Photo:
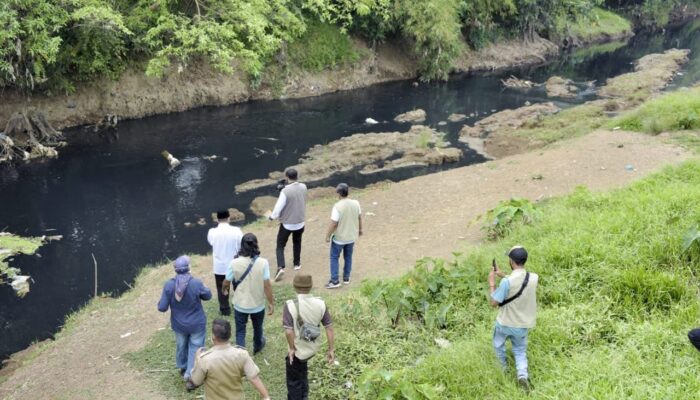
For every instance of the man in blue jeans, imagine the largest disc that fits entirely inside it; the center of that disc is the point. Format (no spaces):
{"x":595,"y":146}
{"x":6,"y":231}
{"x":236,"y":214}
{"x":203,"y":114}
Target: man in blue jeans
{"x":344,"y":229}
{"x":183,"y":295}
{"x":517,"y":311}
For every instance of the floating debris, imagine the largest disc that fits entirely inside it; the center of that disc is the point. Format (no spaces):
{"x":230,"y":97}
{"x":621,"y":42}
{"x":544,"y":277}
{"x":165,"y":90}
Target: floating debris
{"x":371,"y":121}
{"x":515,"y":83}
{"x":174,"y":162}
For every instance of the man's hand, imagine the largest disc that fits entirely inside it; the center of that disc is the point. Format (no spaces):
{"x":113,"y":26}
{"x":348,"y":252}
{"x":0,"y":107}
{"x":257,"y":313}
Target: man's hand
{"x":328,"y":239}
{"x":290,"y":354}
{"x":198,"y":352}
{"x":492,"y":278}
{"x":270,"y":308}
{"x":330,"y":356}
{"x":360,"y":233}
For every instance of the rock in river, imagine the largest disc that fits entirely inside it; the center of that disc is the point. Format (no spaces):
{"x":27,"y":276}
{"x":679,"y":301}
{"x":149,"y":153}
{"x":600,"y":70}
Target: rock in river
{"x":415,"y":117}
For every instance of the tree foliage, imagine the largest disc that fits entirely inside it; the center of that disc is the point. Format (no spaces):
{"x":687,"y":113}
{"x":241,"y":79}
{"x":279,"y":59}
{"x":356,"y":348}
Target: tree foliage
{"x":50,"y":45}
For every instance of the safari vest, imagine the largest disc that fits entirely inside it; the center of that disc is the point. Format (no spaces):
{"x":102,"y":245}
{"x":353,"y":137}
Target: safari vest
{"x":251,"y":292}
{"x":311,"y":310}
{"x":521,"y":312}
{"x":348,"y":224}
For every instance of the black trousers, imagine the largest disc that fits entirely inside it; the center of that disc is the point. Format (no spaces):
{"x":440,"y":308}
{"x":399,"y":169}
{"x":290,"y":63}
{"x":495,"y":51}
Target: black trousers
{"x":282,"y":238}
{"x":224,"y":305}
{"x":297,"y":379}
{"x":694,"y":337}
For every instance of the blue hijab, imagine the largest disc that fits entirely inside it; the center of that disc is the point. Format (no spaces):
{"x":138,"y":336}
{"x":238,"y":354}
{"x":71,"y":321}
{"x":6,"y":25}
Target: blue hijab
{"x":182,"y":269}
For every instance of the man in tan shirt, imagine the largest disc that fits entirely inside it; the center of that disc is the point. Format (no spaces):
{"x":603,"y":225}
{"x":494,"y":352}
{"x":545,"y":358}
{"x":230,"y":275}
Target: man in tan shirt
{"x":221,"y":368}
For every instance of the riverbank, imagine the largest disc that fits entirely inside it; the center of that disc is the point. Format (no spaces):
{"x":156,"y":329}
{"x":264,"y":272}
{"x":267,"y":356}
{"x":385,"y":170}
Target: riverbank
{"x":134,"y":95}
{"x":89,"y":357}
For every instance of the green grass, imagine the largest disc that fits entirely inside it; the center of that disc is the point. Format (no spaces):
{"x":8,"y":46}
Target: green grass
{"x":599,"y":25}
{"x":322,"y":47}
{"x":569,"y":123}
{"x":157,"y":359}
{"x":617,"y":296}
{"x":675,"y":111}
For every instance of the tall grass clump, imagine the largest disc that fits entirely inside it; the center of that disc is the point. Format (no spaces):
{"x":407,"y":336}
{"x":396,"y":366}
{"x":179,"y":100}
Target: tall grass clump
{"x":618,"y":293}
{"x":675,"y":111}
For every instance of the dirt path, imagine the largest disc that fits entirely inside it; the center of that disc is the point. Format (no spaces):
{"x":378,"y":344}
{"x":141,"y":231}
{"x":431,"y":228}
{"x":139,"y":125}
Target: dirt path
{"x":423,"y":216}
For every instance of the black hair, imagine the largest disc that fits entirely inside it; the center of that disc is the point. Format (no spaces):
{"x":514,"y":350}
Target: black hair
{"x":249,"y":246}
{"x":223,"y":214}
{"x":342,"y":189}
{"x":291,"y":173}
{"x":221,"y":329}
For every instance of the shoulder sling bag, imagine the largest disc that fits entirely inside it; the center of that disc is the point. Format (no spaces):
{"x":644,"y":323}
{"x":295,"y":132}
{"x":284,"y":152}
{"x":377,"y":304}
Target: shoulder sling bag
{"x":515,"y":296}
{"x":307,"y":332}
{"x":247,"y":271}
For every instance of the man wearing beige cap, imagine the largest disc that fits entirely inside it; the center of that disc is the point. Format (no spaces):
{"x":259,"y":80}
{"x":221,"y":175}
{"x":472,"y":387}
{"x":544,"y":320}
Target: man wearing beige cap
{"x":302,"y":319}
{"x":517,"y":310}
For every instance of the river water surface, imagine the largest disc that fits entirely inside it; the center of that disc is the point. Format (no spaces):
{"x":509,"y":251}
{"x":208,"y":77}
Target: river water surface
{"x":111,"y":195}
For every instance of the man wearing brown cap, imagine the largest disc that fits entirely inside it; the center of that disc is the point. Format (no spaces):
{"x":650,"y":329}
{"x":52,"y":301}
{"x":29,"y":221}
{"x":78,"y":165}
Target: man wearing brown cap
{"x":517,"y":310}
{"x":302,"y":319}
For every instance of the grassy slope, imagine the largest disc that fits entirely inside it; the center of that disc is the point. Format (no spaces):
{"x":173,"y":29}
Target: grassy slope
{"x":599,"y":25}
{"x":617,"y":297}
{"x":675,"y":111}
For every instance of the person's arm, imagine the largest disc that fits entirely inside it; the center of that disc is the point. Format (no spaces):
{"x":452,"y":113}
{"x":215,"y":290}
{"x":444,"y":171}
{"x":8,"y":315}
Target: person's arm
{"x":331,"y":343}
{"x":331,"y":228}
{"x":359,"y":220}
{"x":164,"y":302}
{"x":270,"y":298}
{"x":204,"y":293}
{"x":226,"y":283}
{"x":260,"y":387}
{"x":210,"y":237}
{"x":335,"y":217}
{"x":291,"y":348}
{"x":279,"y":206}
{"x":497,"y":295}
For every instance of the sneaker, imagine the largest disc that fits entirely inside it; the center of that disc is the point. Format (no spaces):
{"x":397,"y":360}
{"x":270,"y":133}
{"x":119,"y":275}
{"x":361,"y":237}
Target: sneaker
{"x":346,"y":282}
{"x":190,"y":386}
{"x":278,"y":275}
{"x":262,"y":346}
{"x":297,"y":267}
{"x":524,"y":384}
{"x":332,"y":285}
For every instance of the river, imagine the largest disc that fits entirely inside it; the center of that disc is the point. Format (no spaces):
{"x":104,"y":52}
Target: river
{"x":111,"y":195}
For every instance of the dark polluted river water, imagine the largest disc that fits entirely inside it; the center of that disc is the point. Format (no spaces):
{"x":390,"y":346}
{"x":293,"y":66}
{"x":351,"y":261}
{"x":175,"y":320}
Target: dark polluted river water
{"x":112,"y":196}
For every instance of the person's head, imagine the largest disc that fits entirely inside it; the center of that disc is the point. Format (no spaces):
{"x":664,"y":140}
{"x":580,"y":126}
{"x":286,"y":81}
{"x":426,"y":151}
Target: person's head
{"x":182,"y":265}
{"x":517,"y":256}
{"x":223,"y":215}
{"x":220,"y":331}
{"x":291,"y":174}
{"x":249,"y":246}
{"x":303,"y":283}
{"x":342,"y":189}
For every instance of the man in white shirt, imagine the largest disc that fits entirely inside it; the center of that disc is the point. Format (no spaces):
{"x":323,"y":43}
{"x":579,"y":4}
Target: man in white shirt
{"x":344,"y":229}
{"x":291,"y":211}
{"x":225,"y":241}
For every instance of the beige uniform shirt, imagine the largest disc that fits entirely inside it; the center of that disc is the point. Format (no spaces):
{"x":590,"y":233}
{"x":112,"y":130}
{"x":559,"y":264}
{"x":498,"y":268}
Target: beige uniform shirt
{"x":221,"y":369}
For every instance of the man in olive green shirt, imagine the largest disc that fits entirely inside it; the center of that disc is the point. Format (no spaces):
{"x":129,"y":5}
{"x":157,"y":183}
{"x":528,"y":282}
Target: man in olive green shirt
{"x":344,"y":229}
{"x":221,"y":368}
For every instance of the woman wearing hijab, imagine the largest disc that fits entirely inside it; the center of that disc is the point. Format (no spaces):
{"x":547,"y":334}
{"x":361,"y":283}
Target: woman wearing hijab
{"x":183,"y":295}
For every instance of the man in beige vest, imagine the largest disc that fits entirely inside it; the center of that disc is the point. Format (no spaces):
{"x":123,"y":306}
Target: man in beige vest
{"x":517,"y":310}
{"x":297,"y":315}
{"x":250,"y":275}
{"x":344,"y":229}
{"x":221,"y":368}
